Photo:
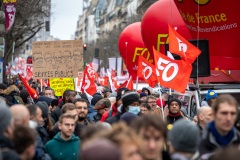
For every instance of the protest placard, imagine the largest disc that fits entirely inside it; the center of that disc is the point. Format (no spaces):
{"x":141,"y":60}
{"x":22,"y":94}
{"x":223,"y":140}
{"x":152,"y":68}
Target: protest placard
{"x":57,"y":59}
{"x":59,"y":85}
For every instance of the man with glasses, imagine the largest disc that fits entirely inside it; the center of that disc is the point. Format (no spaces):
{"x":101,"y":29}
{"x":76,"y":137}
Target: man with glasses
{"x":152,"y":102}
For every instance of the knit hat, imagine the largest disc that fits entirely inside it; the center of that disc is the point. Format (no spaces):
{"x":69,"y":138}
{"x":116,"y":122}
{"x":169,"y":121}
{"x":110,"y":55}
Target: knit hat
{"x":5,"y":118}
{"x":146,"y":89}
{"x":114,"y":94}
{"x":44,"y":107}
{"x":54,"y":102}
{"x":24,"y":95}
{"x":174,"y":100}
{"x":128,"y":117}
{"x":143,"y":94}
{"x":211,"y":94}
{"x":3,"y":86}
{"x":96,"y":98}
{"x":120,"y":92}
{"x":184,"y":136}
{"x":103,"y":103}
{"x":46,"y":99}
{"x":130,"y":97}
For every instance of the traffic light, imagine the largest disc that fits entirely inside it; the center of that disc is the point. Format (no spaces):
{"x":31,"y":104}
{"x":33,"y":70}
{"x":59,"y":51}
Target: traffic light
{"x":84,"y":46}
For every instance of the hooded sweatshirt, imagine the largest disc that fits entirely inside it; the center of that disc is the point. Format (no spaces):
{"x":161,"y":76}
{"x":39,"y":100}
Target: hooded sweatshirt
{"x":60,"y":149}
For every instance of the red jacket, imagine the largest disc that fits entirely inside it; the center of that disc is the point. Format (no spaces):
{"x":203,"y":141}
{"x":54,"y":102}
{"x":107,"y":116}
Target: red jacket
{"x":107,"y":114}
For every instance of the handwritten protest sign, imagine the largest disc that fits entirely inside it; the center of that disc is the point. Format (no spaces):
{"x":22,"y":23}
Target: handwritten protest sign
{"x":57,"y":59}
{"x":59,"y":85}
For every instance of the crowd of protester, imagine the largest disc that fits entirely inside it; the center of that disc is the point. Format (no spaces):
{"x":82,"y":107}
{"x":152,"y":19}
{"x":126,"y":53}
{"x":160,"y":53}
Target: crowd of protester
{"x":123,"y":125}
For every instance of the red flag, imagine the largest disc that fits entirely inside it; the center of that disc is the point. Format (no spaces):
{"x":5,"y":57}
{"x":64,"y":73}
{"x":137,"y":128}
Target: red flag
{"x":29,"y":89}
{"x":88,"y":83}
{"x":43,"y":83}
{"x":174,"y":74}
{"x":112,"y":81}
{"x":147,"y":71}
{"x":127,"y":84}
{"x":103,"y":81}
{"x":180,"y":46}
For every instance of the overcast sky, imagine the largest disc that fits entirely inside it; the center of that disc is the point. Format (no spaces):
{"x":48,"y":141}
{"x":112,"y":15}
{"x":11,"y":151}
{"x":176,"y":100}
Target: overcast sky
{"x":64,"y":18}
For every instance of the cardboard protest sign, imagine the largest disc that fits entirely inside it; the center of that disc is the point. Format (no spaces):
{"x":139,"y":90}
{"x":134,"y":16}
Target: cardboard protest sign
{"x":57,"y":59}
{"x":59,"y":85}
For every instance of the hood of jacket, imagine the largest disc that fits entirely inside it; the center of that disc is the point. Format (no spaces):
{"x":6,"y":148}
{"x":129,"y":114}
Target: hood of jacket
{"x":58,"y":138}
{"x":90,"y":109}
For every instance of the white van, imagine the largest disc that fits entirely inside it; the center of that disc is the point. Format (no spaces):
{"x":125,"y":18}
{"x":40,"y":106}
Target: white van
{"x":192,"y":99}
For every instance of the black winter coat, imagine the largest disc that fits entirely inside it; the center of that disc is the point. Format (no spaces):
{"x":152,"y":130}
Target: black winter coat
{"x":7,"y":149}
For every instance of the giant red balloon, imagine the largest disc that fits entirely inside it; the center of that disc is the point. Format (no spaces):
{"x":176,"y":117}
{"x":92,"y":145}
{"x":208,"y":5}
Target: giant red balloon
{"x":130,"y":46}
{"x":218,"y":21}
{"x":155,"y":24}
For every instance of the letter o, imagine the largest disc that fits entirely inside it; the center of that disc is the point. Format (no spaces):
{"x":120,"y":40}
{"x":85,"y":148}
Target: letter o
{"x":149,"y":74}
{"x":175,"y":71}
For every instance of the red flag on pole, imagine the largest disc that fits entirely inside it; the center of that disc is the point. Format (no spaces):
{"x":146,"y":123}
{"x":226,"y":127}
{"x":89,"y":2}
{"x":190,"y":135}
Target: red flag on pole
{"x":147,"y":71}
{"x":127,"y":84}
{"x":29,"y":89}
{"x":180,"y":46}
{"x":174,"y":74}
{"x":88,"y":83}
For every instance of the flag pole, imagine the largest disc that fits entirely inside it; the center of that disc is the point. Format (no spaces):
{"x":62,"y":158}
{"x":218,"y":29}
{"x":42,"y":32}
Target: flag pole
{"x":137,"y":84}
{"x":160,"y":96}
{"x":41,"y":85}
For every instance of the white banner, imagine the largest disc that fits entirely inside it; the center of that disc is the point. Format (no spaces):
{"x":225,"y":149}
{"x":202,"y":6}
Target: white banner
{"x":119,"y":66}
{"x":112,"y":63}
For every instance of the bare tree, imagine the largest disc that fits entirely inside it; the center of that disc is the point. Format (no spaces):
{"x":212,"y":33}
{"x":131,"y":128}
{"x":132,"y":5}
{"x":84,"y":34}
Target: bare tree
{"x":29,"y":20}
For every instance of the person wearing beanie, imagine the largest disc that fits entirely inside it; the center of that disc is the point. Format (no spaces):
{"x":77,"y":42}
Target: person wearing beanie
{"x":128,"y":117}
{"x":3,"y":86}
{"x":210,"y":98}
{"x":53,"y":105}
{"x":6,"y":133}
{"x":146,"y":90}
{"x":25,"y":96}
{"x":174,"y":114}
{"x":114,"y":108}
{"x":91,"y":112}
{"x":143,"y":96}
{"x":183,"y":140}
{"x":130,"y":103}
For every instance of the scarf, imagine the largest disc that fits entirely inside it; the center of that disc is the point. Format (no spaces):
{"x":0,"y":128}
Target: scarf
{"x":222,"y":140}
{"x":171,"y":118}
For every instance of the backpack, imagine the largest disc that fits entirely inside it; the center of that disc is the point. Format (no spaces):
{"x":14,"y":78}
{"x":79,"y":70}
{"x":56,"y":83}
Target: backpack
{"x":17,"y":100}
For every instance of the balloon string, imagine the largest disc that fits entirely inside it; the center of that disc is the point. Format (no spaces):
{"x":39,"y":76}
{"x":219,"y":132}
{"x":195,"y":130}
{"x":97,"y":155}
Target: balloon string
{"x":198,"y":38}
{"x":171,"y":12}
{"x":126,"y":44}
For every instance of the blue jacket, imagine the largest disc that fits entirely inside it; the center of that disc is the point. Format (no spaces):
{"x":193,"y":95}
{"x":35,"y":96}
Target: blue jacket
{"x":60,"y":149}
{"x":91,"y":113}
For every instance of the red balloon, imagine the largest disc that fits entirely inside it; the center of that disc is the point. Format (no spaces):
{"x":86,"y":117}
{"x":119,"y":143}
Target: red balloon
{"x":130,"y":46}
{"x":155,"y":24}
{"x":218,"y":21}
